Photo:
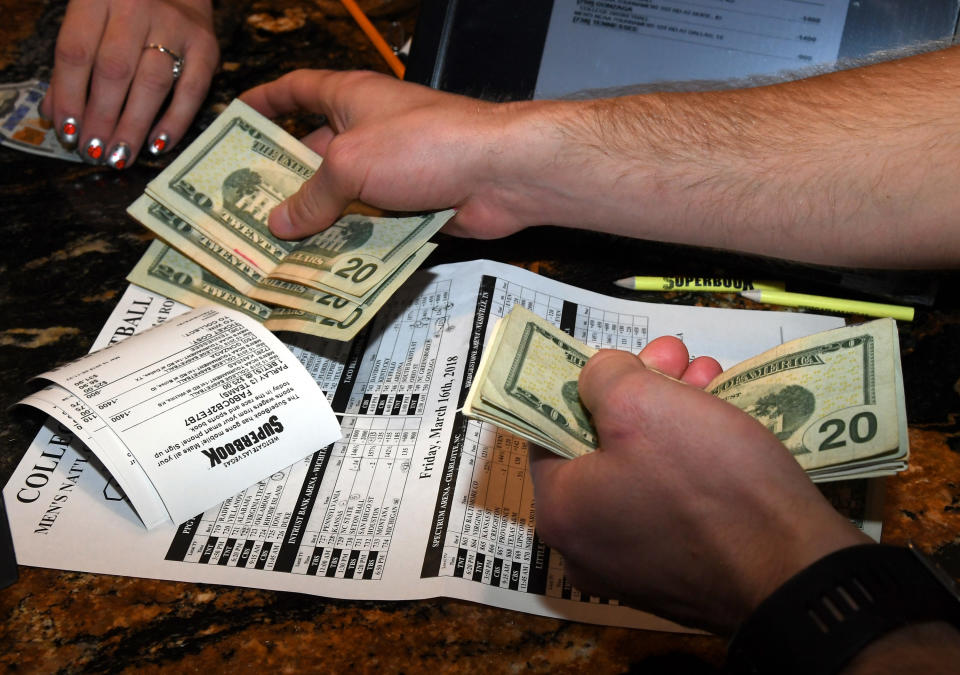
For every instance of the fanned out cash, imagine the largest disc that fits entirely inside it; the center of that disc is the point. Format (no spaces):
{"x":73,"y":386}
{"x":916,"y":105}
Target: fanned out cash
{"x":211,"y":205}
{"x":835,"y":399}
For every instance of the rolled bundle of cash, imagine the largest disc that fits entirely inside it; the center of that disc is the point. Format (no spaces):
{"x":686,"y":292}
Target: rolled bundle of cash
{"x":835,"y":399}
{"x":210,"y":209}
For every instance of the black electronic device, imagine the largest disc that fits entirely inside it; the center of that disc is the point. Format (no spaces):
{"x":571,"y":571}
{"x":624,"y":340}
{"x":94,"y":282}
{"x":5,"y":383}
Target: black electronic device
{"x":499,"y":49}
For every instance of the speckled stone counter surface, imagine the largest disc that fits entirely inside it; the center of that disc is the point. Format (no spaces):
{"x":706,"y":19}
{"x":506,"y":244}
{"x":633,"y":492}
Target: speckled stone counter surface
{"x":66,"y":247}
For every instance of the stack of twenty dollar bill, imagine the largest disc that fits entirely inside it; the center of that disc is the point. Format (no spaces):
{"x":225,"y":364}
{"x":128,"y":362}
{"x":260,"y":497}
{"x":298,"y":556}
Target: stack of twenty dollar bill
{"x":835,"y":399}
{"x":209,"y":209}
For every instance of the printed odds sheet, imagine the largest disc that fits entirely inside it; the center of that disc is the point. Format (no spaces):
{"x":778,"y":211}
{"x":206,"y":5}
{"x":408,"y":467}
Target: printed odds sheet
{"x":415,"y":500}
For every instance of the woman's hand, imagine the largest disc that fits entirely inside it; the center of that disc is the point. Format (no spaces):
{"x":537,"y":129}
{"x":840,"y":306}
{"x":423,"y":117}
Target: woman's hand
{"x":109,"y":84}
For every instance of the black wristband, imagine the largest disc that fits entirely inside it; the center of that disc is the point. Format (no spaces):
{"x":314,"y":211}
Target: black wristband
{"x":818,"y":620}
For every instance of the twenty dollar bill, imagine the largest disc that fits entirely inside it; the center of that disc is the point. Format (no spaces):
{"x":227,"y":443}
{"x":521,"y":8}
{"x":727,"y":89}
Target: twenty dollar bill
{"x":835,"y":399}
{"x":210,"y":208}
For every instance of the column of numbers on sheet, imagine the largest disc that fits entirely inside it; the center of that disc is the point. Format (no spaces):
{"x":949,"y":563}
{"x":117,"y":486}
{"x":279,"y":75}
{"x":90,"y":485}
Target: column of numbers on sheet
{"x":246,"y":529}
{"x":397,"y":368}
{"x":490,"y":533}
{"x":351,"y":526}
{"x":611,"y":330}
{"x":507,"y":294}
{"x":599,"y":328}
{"x":354,"y":509}
{"x":350,"y":529}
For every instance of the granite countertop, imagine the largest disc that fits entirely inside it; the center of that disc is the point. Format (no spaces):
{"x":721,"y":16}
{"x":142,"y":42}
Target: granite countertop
{"x":68,"y":245}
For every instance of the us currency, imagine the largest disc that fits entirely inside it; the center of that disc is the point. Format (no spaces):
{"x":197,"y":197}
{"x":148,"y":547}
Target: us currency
{"x":526,"y":382}
{"x":835,"y":399}
{"x":355,"y":254}
{"x":21,"y":125}
{"x":243,"y":277}
{"x":284,"y":318}
{"x":192,"y":242}
{"x":165,"y":270}
{"x":226,"y":183}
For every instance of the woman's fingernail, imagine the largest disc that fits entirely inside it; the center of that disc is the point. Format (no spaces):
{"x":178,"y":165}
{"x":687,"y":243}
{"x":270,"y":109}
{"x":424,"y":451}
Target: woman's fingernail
{"x":68,"y":131}
{"x":119,"y":156}
{"x":94,"y":151}
{"x":159,"y":144}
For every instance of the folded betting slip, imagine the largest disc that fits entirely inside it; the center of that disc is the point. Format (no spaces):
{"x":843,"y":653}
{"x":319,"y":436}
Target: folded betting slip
{"x":191,"y":412}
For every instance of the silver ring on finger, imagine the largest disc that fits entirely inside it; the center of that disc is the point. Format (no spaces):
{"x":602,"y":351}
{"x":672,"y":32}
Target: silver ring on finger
{"x":177,"y":60}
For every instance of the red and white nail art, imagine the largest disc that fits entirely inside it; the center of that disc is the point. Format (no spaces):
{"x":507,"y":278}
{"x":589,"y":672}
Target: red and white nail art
{"x":94,"y":151}
{"x":68,"y":131}
{"x":159,"y":144}
{"x":119,"y":156}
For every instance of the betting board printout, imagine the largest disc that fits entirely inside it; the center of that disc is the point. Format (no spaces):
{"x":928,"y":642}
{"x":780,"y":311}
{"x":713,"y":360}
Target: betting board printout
{"x":414,"y":500}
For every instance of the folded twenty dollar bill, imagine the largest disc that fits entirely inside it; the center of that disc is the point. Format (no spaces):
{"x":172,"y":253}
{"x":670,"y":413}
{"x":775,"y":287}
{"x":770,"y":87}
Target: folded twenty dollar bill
{"x":211,"y":205}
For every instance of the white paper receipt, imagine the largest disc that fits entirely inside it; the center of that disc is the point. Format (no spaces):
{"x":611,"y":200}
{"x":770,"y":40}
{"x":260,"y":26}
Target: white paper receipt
{"x":207,"y":404}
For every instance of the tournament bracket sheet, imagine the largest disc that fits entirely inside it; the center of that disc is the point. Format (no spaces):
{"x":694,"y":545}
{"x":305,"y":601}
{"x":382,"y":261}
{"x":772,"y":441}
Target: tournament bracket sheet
{"x":415,"y":500}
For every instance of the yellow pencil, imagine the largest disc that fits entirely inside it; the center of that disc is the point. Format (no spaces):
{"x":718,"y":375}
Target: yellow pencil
{"x":786,"y":299}
{"x":396,"y":65}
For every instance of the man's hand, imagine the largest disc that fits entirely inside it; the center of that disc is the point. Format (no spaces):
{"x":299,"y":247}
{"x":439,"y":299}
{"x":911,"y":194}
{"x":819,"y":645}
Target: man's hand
{"x":793,"y":169}
{"x":403,"y":147}
{"x":690,"y":508}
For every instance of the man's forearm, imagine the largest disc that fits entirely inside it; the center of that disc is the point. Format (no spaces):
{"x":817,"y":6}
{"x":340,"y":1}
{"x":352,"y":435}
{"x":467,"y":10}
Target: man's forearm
{"x":859,"y":167}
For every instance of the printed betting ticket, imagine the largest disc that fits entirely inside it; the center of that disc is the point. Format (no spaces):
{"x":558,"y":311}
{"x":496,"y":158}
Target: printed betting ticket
{"x":192,"y":411}
{"x":414,"y":500}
